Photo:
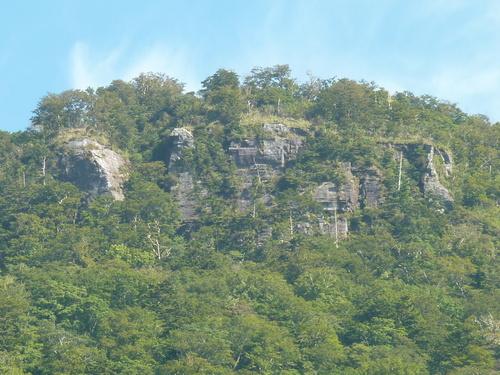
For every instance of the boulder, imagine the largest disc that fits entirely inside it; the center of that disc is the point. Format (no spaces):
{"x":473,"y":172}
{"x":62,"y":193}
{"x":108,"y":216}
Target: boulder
{"x":93,"y":167}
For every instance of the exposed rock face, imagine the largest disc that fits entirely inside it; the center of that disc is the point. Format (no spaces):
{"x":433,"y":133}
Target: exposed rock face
{"x":179,"y":141}
{"x":338,"y":199}
{"x":94,"y":168}
{"x":278,"y":145}
{"x":325,"y":226}
{"x":339,"y":230}
{"x":447,"y":161}
{"x":245,"y":153}
{"x":371,"y":188}
{"x":327,"y":195}
{"x":263,"y":158}
{"x":342,"y":198}
{"x":431,"y":185}
{"x":184,"y":193}
{"x":364,"y":188}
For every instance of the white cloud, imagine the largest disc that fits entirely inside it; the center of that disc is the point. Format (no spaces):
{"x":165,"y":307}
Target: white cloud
{"x":160,"y":59}
{"x":88,"y":70}
{"x":460,"y":82}
{"x":474,"y":88}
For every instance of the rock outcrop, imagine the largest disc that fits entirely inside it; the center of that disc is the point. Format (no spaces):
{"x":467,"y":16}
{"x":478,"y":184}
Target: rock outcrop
{"x":179,"y":140}
{"x":341,"y":197}
{"x":371,"y":188}
{"x":178,"y":143}
{"x":338,"y":199}
{"x":431,"y":185}
{"x":338,"y":229}
{"x":278,"y":145}
{"x":93,"y":167}
{"x":263,"y":158}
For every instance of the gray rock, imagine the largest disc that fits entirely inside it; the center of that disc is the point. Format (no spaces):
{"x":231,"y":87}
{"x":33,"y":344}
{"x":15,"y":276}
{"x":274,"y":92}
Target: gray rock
{"x":327,"y":195}
{"x":179,"y":140}
{"x":328,"y":227}
{"x":344,"y":197}
{"x":371,"y":188}
{"x":431,"y":185}
{"x":276,"y":147}
{"x":447,"y":161}
{"x":279,"y":145}
{"x":184,"y":194}
{"x":262,"y":159}
{"x":244,"y":154}
{"x":94,"y":168}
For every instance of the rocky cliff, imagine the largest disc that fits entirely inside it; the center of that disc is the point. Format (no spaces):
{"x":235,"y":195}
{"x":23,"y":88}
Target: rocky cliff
{"x":260,"y":161}
{"x":93,"y":167}
{"x":430,"y":180}
{"x":431,"y":185}
{"x":264,"y":158}
{"x":180,"y":142}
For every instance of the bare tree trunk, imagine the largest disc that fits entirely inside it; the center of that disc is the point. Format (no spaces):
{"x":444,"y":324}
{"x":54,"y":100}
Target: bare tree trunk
{"x":44,"y":168}
{"x":154,"y":239}
{"x":291,"y":223}
{"x":24,"y":179}
{"x":336,"y":229}
{"x":400,"y":169}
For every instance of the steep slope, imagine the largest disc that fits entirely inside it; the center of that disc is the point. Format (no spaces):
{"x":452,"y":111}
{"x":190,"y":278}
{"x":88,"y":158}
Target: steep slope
{"x":266,"y":227}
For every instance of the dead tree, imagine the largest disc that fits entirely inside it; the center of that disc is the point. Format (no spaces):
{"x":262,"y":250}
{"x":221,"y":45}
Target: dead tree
{"x":400,"y":169}
{"x":154,"y":237}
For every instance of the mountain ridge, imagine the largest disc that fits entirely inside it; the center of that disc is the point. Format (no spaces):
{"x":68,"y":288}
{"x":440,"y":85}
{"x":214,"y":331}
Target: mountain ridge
{"x":259,"y":226}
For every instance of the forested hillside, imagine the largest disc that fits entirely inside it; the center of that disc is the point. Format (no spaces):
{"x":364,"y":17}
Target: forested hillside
{"x":261,"y":225}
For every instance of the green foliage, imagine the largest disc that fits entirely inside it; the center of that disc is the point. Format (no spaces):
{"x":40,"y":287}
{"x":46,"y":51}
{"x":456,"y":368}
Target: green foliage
{"x":126,"y":287}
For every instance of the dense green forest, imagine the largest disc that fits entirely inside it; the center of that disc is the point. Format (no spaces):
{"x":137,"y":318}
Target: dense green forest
{"x":260,"y":225}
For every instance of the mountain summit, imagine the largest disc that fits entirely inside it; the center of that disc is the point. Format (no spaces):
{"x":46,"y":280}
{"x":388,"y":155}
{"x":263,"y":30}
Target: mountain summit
{"x":260,"y":225}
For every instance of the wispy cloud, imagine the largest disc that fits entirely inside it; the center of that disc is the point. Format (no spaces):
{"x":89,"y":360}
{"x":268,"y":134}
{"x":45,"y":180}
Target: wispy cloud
{"x":461,"y":82}
{"x":475,"y":88}
{"x":89,"y":70}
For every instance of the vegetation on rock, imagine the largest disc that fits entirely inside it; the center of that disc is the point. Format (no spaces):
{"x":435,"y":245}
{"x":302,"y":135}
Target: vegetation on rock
{"x":266,"y":226}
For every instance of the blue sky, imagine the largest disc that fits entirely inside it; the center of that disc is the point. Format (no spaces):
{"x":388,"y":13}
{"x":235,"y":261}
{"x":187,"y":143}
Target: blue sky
{"x":445,"y":48}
